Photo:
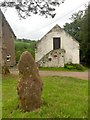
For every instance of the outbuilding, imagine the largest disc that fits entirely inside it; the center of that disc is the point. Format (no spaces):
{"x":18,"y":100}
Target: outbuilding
{"x":57,"y":48}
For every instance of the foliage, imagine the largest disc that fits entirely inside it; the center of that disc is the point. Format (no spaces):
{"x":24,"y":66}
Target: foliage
{"x":63,"y":97}
{"x":84,"y":34}
{"x":21,"y":46}
{"x":26,"y":7}
{"x":75,"y":67}
{"x":78,"y":28}
{"x":74,"y":27}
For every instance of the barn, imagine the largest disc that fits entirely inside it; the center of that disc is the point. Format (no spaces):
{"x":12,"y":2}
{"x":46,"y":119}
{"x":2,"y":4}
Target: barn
{"x":7,"y":46}
{"x":57,"y":48}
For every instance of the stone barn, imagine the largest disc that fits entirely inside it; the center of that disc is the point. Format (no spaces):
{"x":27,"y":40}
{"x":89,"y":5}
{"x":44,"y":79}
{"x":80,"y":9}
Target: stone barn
{"x":7,"y":37}
{"x":56,"y":48}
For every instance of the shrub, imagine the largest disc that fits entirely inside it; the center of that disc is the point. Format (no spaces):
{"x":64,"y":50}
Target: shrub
{"x":74,"y":66}
{"x":79,"y":67}
{"x":69,"y":67}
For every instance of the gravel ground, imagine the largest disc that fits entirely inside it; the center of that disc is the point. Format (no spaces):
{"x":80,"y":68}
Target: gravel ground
{"x":81,"y":75}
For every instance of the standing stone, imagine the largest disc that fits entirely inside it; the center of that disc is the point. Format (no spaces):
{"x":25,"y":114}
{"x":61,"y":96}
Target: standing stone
{"x":30,"y":84}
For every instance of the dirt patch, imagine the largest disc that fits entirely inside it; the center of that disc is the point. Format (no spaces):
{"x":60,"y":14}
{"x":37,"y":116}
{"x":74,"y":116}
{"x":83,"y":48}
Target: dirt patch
{"x":81,"y":75}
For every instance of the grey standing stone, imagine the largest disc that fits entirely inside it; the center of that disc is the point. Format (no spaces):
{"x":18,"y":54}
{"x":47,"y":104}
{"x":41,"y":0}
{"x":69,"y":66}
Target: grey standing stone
{"x":30,"y":84}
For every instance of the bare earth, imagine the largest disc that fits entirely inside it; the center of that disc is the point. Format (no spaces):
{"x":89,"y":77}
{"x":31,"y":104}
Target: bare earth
{"x":81,"y":75}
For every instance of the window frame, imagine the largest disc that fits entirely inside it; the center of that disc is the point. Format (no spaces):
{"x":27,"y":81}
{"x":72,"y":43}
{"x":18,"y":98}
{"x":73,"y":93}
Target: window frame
{"x":56,"y":45}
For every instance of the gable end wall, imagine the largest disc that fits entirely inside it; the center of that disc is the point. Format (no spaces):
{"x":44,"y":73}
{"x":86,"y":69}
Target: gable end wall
{"x":70,"y":45}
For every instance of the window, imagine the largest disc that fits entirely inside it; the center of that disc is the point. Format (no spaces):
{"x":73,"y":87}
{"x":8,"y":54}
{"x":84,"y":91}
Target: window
{"x":8,"y":58}
{"x":56,"y":43}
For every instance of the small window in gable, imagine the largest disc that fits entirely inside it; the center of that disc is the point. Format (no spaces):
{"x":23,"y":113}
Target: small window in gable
{"x":56,"y":43}
{"x":8,"y":58}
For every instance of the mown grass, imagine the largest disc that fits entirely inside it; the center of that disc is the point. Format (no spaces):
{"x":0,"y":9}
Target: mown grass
{"x":62,"y":97}
{"x":61,"y":69}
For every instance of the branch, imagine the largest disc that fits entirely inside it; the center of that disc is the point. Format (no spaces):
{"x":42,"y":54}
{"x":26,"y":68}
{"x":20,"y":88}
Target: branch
{"x":26,"y":7}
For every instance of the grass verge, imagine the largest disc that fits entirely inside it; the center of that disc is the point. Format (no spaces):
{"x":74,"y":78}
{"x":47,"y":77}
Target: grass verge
{"x":61,"y":69}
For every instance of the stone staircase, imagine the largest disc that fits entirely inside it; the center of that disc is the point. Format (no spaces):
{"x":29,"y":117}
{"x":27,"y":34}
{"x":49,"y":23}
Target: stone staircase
{"x":55,"y":58}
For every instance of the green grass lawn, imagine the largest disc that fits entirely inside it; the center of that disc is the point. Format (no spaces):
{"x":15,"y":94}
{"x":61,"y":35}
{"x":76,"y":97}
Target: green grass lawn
{"x":62,"y":97}
{"x":61,"y":69}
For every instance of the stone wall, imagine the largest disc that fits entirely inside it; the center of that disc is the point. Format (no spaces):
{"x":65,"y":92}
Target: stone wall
{"x":54,"y":58}
{"x":0,"y":39}
{"x":8,"y":37}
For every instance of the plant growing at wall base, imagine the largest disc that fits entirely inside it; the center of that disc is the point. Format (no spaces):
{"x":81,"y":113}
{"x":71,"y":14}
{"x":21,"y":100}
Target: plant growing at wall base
{"x":74,"y":66}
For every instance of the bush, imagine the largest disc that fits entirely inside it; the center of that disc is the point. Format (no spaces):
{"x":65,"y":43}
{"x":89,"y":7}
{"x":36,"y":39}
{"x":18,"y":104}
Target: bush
{"x":69,"y":67}
{"x":74,"y":66}
{"x":79,"y":67}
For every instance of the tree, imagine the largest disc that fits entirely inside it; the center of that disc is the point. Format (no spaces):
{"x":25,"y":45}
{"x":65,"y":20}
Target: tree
{"x":21,"y":46}
{"x":84,"y":35}
{"x":74,"y":27}
{"x":26,"y":7}
{"x":79,"y":29}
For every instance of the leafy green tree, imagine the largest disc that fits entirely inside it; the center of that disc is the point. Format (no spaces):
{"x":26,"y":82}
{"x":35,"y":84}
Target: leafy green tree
{"x":78,"y":28}
{"x":74,"y":27}
{"x":84,"y":34}
{"x":21,"y":46}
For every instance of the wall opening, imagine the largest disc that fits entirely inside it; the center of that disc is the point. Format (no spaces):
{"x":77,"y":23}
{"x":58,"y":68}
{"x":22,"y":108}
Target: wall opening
{"x":50,"y":59}
{"x":8,"y":58}
{"x":56,"y":43}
